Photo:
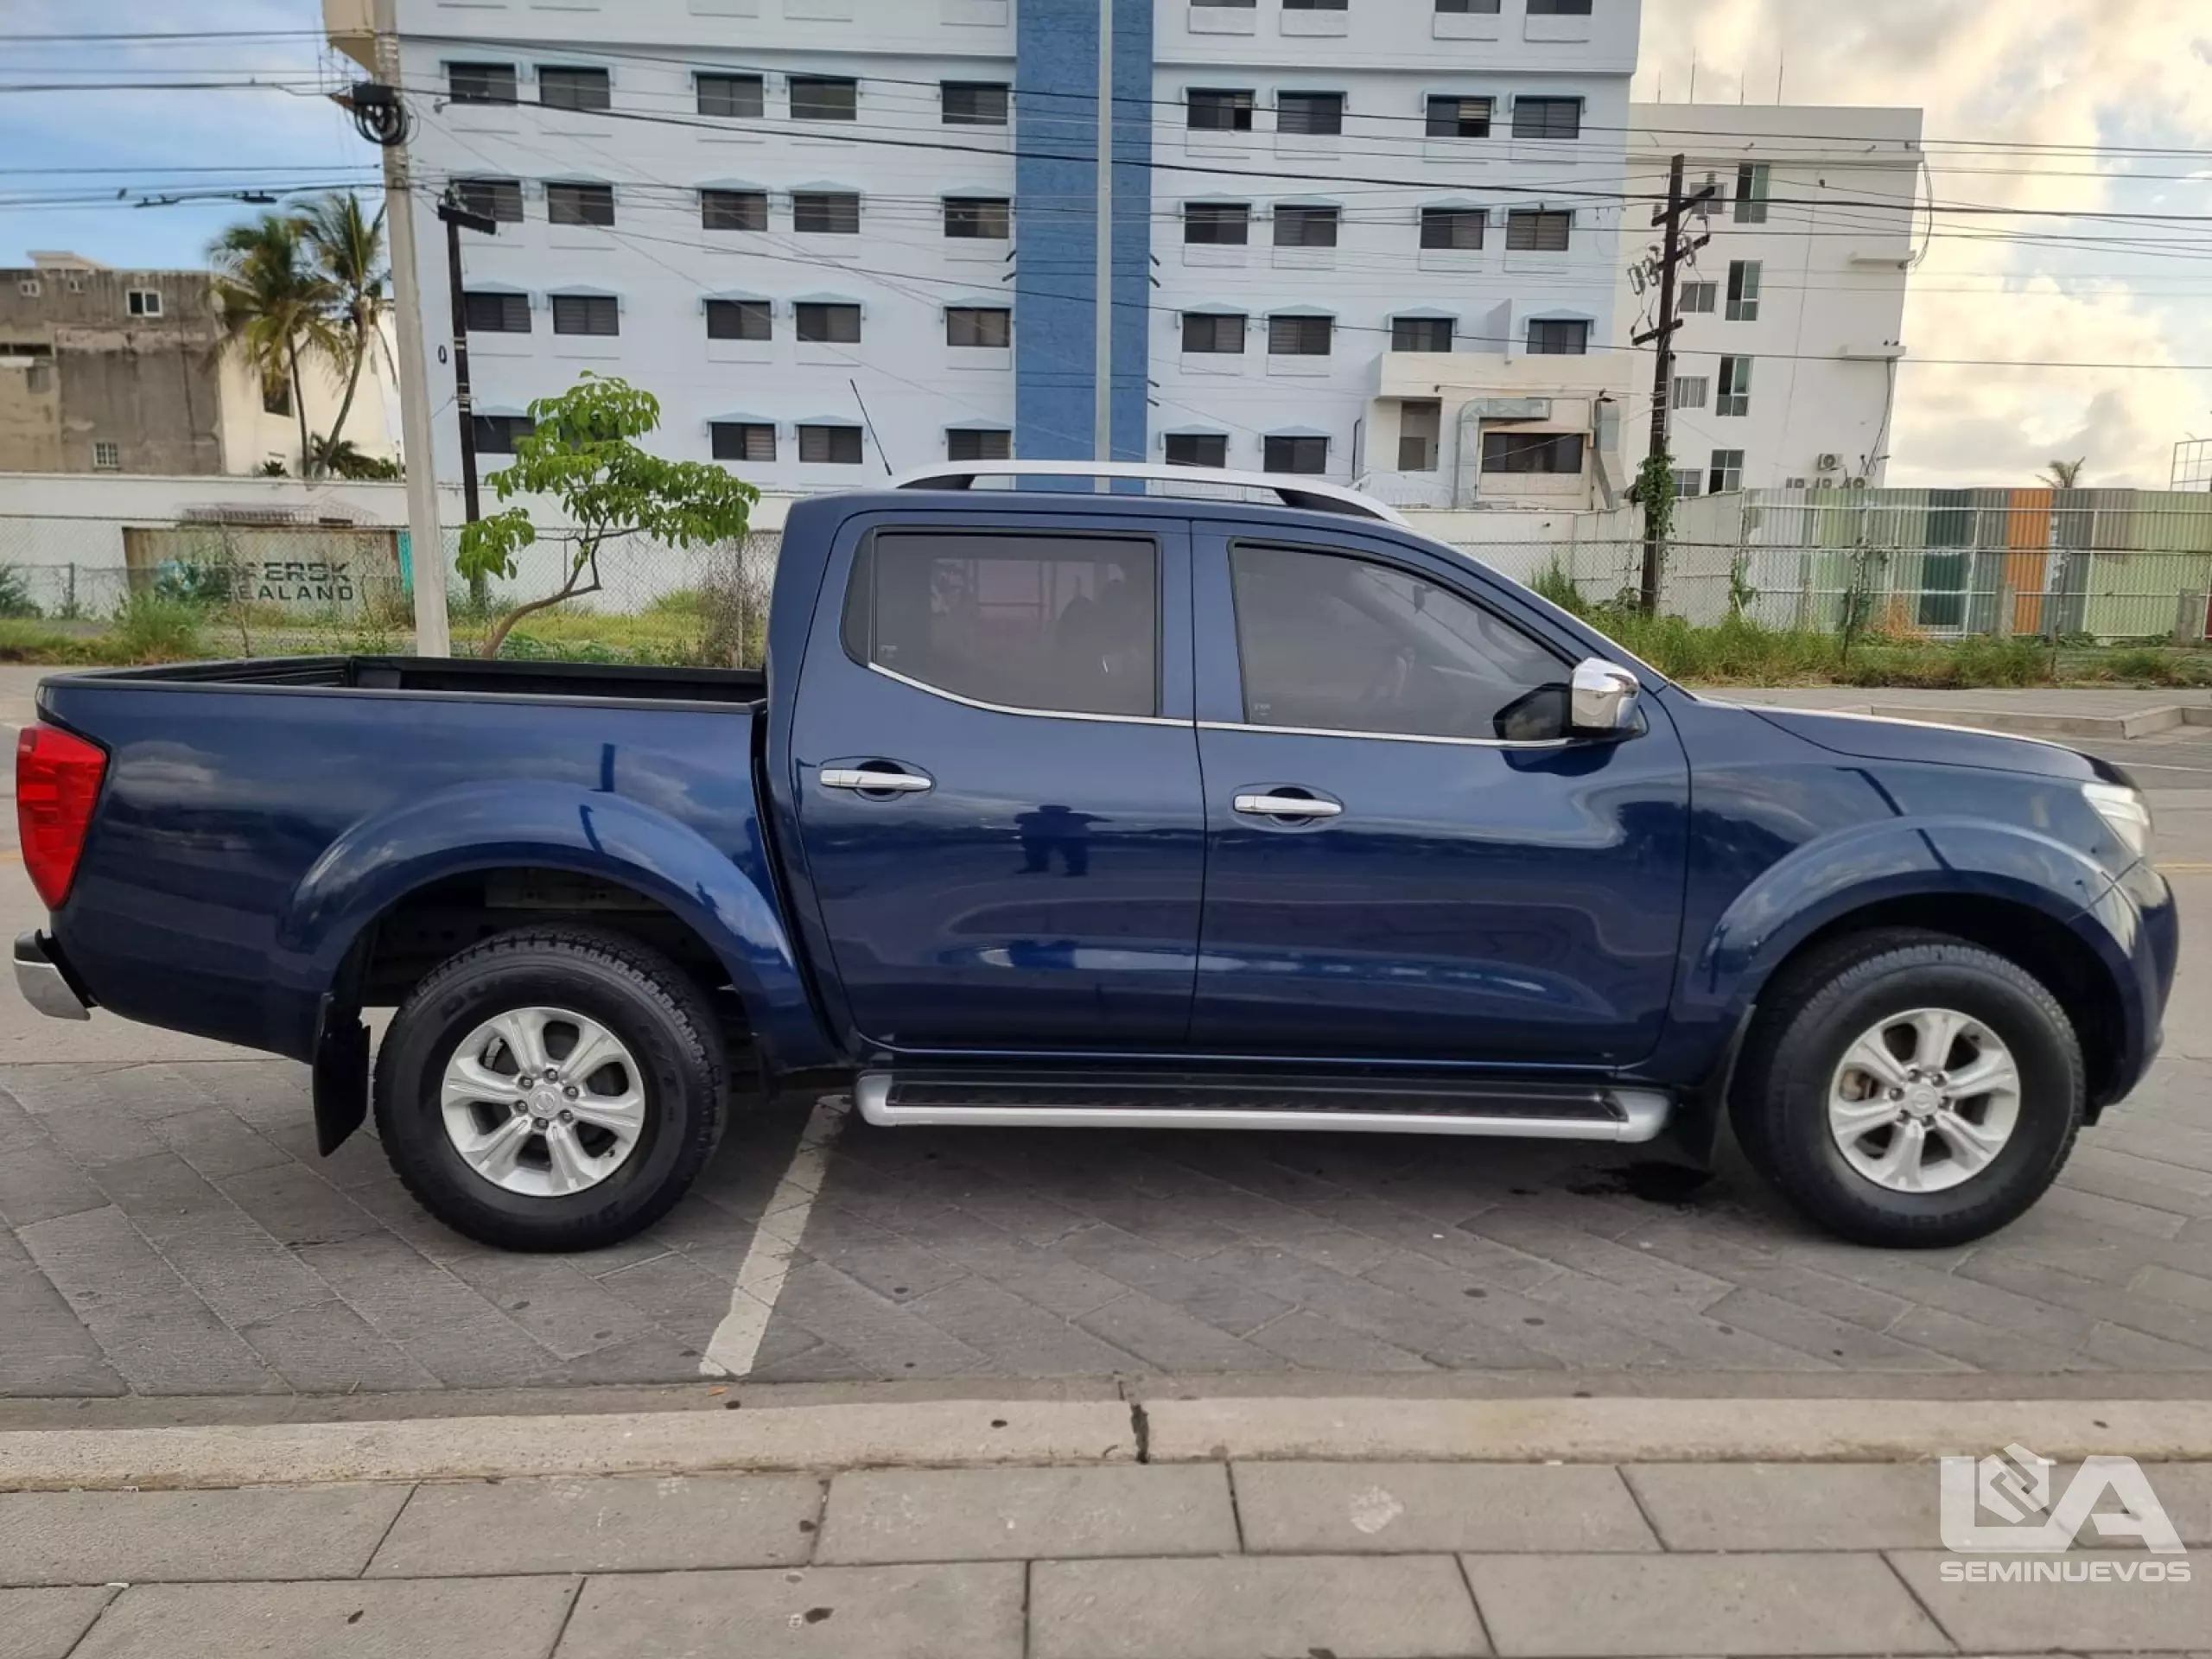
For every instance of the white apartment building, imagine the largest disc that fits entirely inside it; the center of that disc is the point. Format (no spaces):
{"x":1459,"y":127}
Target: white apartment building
{"x":1364,"y":238}
{"x":1793,"y":315}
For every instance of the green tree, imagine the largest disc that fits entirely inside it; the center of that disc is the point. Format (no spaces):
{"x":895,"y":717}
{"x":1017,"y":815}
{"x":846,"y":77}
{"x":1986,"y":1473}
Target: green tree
{"x":275,"y":306}
{"x":2063,"y":474}
{"x":580,"y":453}
{"x":348,"y":244}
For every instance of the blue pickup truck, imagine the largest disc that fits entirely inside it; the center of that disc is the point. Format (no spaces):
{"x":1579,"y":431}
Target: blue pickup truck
{"x":1117,"y":809}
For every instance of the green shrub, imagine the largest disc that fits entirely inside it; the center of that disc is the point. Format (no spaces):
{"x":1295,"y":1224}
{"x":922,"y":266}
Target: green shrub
{"x":1553,"y":583}
{"x":15,"y":599}
{"x":152,"y":627}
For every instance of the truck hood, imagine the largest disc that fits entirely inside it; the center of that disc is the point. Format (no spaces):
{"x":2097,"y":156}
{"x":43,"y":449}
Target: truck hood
{"x":1866,"y":737}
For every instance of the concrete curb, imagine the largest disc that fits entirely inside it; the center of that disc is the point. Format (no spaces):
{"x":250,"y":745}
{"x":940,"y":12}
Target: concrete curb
{"x":946,"y":1433}
{"x":2144,"y":722}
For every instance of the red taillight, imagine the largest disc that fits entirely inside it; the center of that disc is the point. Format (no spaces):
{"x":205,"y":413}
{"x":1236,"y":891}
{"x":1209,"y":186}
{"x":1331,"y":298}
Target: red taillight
{"x":57,"y":780}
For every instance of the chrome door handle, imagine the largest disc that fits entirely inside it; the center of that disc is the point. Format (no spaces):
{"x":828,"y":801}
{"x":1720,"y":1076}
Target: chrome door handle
{"x":891,"y":783}
{"x":1287,"y":806}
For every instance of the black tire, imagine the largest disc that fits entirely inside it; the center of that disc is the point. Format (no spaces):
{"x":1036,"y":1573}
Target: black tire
{"x":1779,"y":1103}
{"x":657,"y":1010}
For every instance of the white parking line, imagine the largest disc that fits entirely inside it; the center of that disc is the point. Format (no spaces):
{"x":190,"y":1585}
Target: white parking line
{"x":736,"y":1342}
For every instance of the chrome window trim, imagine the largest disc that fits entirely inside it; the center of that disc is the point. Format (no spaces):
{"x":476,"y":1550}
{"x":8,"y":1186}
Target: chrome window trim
{"x":1391,"y":737}
{"x":1033,"y":713}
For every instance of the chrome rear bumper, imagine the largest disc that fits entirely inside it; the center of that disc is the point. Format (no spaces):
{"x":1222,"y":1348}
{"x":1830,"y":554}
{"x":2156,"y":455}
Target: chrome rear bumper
{"x":41,"y":982}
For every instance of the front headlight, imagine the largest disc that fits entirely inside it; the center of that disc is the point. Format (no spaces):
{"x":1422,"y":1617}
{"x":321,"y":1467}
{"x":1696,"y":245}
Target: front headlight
{"x":2125,"y":813}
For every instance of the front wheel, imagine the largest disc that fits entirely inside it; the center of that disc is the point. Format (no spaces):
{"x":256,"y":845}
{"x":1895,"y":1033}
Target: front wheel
{"x":551,"y":1090}
{"x":1910,"y":1090}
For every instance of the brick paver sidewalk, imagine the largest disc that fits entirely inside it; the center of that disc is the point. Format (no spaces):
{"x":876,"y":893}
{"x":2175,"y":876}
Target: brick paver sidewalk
{"x":1185,"y":1562}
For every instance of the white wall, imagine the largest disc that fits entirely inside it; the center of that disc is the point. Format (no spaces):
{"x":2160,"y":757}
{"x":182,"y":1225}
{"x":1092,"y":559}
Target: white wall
{"x":1833,"y":255}
{"x":251,"y":435}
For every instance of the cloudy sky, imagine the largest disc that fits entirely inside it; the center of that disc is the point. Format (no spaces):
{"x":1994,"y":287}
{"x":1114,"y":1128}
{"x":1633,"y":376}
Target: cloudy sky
{"x":2065,"y":107}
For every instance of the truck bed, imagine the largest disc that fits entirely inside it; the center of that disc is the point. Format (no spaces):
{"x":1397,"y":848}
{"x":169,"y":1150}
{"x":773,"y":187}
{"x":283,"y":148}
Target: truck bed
{"x":451,"y":676}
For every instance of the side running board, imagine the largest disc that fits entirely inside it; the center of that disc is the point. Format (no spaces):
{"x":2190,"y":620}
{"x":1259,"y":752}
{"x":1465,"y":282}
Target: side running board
{"x":1372,"y":1104}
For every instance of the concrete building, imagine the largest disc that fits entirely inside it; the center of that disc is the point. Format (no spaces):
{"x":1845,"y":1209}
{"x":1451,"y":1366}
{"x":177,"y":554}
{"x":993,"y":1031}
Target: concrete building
{"x":106,"y":371}
{"x":1371,"y":238}
{"x":1794,"y":316}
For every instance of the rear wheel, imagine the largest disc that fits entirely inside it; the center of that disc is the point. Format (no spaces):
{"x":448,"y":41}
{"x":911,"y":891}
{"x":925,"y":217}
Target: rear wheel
{"x":554,"y":1089}
{"x":1908,"y":1089}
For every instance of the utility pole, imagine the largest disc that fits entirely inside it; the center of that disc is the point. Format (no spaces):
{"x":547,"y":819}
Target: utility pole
{"x":431,"y":636}
{"x":455,"y":217}
{"x":1672,"y":252}
{"x":1102,"y":419}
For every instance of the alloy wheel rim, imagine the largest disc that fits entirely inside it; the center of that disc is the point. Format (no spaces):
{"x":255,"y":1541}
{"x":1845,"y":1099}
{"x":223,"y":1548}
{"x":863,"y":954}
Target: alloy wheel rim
{"x":544,"y":1101}
{"x":1924,"y":1101}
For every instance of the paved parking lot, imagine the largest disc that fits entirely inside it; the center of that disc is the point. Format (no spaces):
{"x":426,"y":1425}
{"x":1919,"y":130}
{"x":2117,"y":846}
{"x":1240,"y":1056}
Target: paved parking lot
{"x":170,"y":1232}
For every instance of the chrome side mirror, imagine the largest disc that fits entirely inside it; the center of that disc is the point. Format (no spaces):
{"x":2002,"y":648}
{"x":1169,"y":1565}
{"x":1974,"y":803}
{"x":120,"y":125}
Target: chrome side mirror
{"x":1603,"y":703}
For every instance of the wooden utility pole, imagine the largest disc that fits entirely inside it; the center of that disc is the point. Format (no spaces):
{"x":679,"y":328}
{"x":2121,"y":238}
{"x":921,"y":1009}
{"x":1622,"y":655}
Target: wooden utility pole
{"x":1672,"y":252}
{"x":456,"y":216}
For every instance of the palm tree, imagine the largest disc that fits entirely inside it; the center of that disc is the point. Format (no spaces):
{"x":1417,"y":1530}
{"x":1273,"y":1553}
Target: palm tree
{"x":348,"y":248}
{"x":275,"y":306}
{"x":2064,"y":475}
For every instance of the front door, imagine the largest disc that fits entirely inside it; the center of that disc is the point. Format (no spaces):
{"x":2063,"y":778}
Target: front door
{"x":997,"y":780}
{"x":1409,"y":857}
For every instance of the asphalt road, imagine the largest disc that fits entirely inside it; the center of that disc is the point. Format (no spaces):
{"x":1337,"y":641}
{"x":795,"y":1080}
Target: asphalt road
{"x":170,"y":1232}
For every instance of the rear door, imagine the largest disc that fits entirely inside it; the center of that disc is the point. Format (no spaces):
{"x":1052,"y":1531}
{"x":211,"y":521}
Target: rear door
{"x":1409,"y":857}
{"x":996,"y":771}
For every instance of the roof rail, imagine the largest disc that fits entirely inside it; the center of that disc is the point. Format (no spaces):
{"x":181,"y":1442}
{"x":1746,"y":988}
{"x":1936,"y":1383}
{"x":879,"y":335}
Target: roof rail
{"x":1313,"y":495}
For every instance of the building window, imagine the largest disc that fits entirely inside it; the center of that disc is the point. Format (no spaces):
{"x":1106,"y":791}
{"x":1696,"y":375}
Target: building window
{"x":1689,"y":481}
{"x":1226,"y":222}
{"x":818,"y":212}
{"x":1315,"y":112}
{"x":734,"y":210}
{"x":986,"y":326}
{"x":1227,"y":5}
{"x":1558,"y":8}
{"x":1294,"y":455}
{"x":1313,"y":5}
{"x":829,"y":324}
{"x":1468,"y":8}
{"x":1554,"y":453}
{"x":1459,"y":117}
{"x":1459,"y":228}
{"x":1559,"y":337}
{"x":737,"y":96}
{"x":1198,"y":449}
{"x":497,"y":313}
{"x":1690,"y":391}
{"x":986,"y":218}
{"x":107,"y":456}
{"x":1534,"y":230}
{"x":1744,"y":290}
{"x":1752,"y":180}
{"x":580,"y":204}
{"x":1421,"y":426}
{"x":1299,"y":336}
{"x":574,"y":89}
{"x":482,"y":83}
{"x":829,"y":445}
{"x":500,"y":198}
{"x":495,"y":435}
{"x":978,"y":443}
{"x":973,"y":102}
{"x":1546,"y":118}
{"x":1697,"y":298}
{"x":142,"y":302}
{"x":275,"y":395}
{"x":1305,"y":227}
{"x":587,"y":314}
{"x":740,"y":320}
{"x":1728,"y":473}
{"x":825,"y":97}
{"x":742,"y":440}
{"x":1215,"y":108}
{"x":1219,"y":332}
{"x":1422,"y":333}
{"x":1735,"y":398}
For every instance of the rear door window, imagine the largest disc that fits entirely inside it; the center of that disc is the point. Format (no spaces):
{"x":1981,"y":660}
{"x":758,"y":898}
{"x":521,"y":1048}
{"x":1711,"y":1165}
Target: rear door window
{"x":1331,"y":642}
{"x":1066,"y":625}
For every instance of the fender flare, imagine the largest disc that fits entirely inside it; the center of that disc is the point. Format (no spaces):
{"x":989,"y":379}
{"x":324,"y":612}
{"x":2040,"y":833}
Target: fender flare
{"x":727,"y":900}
